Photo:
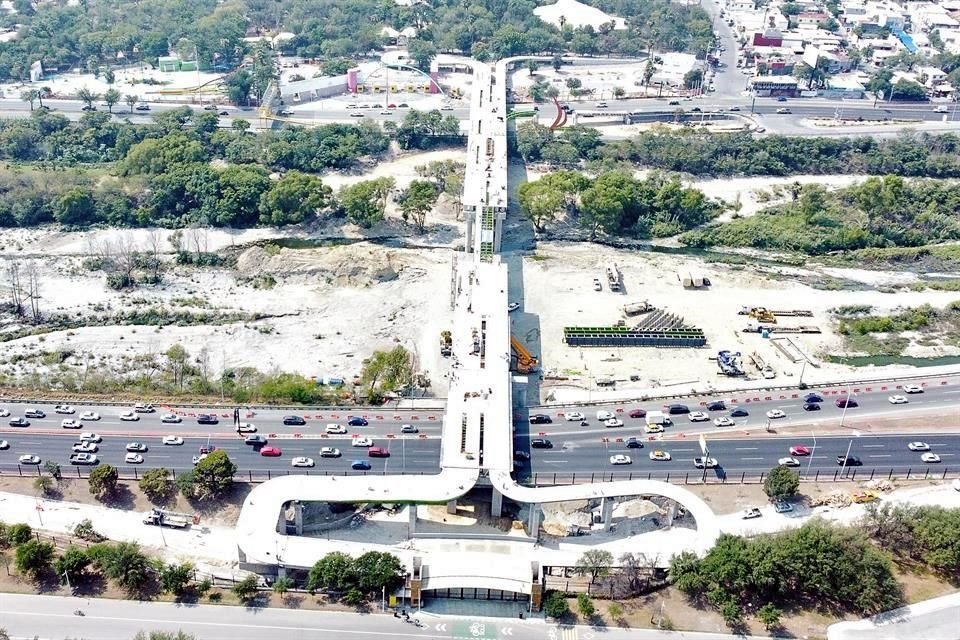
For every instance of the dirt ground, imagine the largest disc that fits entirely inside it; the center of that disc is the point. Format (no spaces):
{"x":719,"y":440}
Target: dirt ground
{"x":130,"y":497}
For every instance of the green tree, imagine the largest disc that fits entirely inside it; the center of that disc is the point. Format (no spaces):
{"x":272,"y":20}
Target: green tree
{"x":76,"y":207}
{"x":594,"y":563}
{"x":174,"y":578}
{"x":556,"y":606}
{"x":29,"y":95}
{"x":88,"y":96}
{"x":573,"y":83}
{"x":293,"y":198}
{"x":247,"y":589}
{"x":44,"y":484}
{"x":18,"y":534}
{"x":239,"y":85}
{"x":365,"y":202}
{"x":532,"y":66}
{"x":378,"y":570}
{"x":540,"y":203}
{"x":769,"y":616}
{"x":125,"y":564}
{"x":163,"y":635}
{"x":693,"y":79}
{"x":615,"y":609}
{"x":103,"y":480}
{"x":905,"y":89}
{"x":333,"y":571}
{"x":781,"y":482}
{"x":212,"y":478}
{"x":281,"y":586}
{"x":157,"y":485}
{"x":385,"y":372}
{"x":585,"y":605}
{"x":33,"y":558}
{"x":131,"y":100}
{"x":417,"y":200}
{"x":111,"y":97}
{"x":72,"y":565}
{"x":422,"y":52}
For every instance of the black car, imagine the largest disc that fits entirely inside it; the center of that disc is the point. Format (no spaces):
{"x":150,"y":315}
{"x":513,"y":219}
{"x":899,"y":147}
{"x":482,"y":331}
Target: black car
{"x":676,"y":409}
{"x":782,"y":99}
{"x":34,"y":413}
{"x":696,"y":110}
{"x":297,"y":421}
{"x":813,"y":397}
{"x":520,"y":456}
{"x":541,"y":443}
{"x":716,"y":406}
{"x":19,"y":422}
{"x":540,"y":419}
{"x":633,"y":443}
{"x":205,"y":418}
{"x":811,"y":406}
{"x":355,"y":421}
{"x":739,"y":412}
{"x":851,"y":461}
{"x":848,"y":403}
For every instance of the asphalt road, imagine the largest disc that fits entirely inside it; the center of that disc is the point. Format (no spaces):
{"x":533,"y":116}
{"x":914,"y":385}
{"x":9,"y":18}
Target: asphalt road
{"x":27,"y":617}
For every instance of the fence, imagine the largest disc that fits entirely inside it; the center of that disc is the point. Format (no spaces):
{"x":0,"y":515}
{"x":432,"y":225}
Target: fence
{"x":716,"y":476}
{"x":134,"y":474}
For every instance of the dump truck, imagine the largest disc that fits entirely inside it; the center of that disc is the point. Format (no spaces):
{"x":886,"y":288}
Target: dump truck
{"x":164,"y":518}
{"x":636,"y":308}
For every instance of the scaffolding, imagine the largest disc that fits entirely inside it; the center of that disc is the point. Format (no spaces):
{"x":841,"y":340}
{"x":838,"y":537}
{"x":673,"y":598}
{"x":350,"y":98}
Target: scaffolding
{"x":630,"y":337}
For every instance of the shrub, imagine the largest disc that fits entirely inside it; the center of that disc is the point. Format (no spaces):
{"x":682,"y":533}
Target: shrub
{"x":556,"y":605}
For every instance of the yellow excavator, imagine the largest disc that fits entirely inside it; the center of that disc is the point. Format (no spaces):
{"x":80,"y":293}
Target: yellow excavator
{"x":526,"y":363}
{"x":761,"y":314}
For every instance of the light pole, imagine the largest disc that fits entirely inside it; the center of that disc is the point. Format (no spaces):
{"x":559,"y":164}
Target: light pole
{"x":846,"y":458}
{"x":812,"y":452}
{"x":846,"y":403}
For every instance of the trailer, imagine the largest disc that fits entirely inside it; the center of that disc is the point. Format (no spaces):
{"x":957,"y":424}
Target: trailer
{"x":164,"y":518}
{"x":769,"y":329}
{"x":636,"y":308}
{"x":613,"y":277}
{"x":756,"y":312}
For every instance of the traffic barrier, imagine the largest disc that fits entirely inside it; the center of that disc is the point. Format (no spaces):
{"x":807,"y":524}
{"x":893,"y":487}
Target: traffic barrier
{"x":541,"y":433}
{"x":431,"y":418}
{"x":681,"y":435}
{"x":767,"y":398}
{"x":795,"y":395}
{"x":422,"y":436}
{"x":604,"y":440}
{"x":248,"y":414}
{"x":297,"y":435}
{"x":390,"y":435}
{"x":868,"y":389}
{"x":401,"y":417}
{"x":619,"y":440}
{"x":224,"y":415}
{"x":414,"y":417}
{"x":323,"y":435}
{"x":942,"y":382}
{"x":272,"y":435}
{"x":618,"y":410}
{"x":334,"y":416}
{"x":379,"y":417}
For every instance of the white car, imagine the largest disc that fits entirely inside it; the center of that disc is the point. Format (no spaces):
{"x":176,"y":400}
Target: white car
{"x":660,"y":456}
{"x":603,"y":416}
{"x":788,"y":462}
{"x":197,"y":459}
{"x":29,"y":458}
{"x":409,"y":428}
{"x":575,"y":416}
{"x":329,"y":452}
{"x":775,"y":414}
{"x":301,"y":462}
{"x":143,"y":408}
{"x":724,"y":421}
{"x":918,"y":446}
{"x":620,"y":459}
{"x":247,"y":427}
{"x":64,"y":409}
{"x":513,"y":306}
{"x":912,"y":388}
{"x":133,"y":458}
{"x":90,"y":437}
{"x":70,"y":423}
{"x":171,"y":418}
{"x":85,"y":447}
{"x":335,"y":429}
{"x":705,"y":463}
{"x":90,"y":415}
{"x":699,"y":416}
{"x":613,"y":422}
{"x":601,"y":105}
{"x":653,"y":428}
{"x":362,"y":442}
{"x":750,"y":513}
{"x":4,"y":444}
{"x":173,"y":441}
{"x":930,"y":457}
{"x":897,"y":400}
{"x":4,"y":413}
{"x":129,"y":416}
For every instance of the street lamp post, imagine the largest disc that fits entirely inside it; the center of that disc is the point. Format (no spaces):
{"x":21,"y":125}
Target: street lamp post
{"x":846,"y":458}
{"x":812,"y":452}
{"x":846,"y":403}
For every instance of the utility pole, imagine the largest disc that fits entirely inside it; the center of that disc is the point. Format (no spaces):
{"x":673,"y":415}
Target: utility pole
{"x":812,"y":452}
{"x":846,"y":403}
{"x":846,"y":458}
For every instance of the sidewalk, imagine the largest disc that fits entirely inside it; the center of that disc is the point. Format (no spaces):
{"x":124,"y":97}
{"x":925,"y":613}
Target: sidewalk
{"x":934,"y":619}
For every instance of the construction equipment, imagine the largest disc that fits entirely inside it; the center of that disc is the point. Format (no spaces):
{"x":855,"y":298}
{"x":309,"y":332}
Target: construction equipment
{"x":759,"y":314}
{"x":796,"y":313}
{"x":613,"y":276}
{"x":446,"y":344}
{"x":636,"y":308}
{"x":526,"y":363}
{"x":164,"y":518}
{"x":750,"y":328}
{"x":613,"y":336}
{"x":765,"y":370}
{"x":729,"y":363}
{"x":694,"y":281}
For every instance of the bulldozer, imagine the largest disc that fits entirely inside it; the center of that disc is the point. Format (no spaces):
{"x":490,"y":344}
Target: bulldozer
{"x":761,"y":314}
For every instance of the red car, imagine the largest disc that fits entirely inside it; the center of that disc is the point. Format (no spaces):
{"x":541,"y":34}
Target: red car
{"x":209,"y":449}
{"x":799,"y":450}
{"x":638,"y":413}
{"x":271,"y":452}
{"x":378,"y":452}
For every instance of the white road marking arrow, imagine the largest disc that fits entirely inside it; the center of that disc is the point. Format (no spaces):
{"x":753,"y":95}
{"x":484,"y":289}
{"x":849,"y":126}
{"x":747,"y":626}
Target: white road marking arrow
{"x":441,"y":627}
{"x":507,"y":631}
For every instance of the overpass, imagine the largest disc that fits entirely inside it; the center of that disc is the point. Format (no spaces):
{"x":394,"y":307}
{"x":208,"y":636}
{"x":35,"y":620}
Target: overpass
{"x":477,"y":431}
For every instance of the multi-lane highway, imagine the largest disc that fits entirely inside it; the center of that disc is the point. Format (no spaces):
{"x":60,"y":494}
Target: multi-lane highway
{"x":409,"y":453}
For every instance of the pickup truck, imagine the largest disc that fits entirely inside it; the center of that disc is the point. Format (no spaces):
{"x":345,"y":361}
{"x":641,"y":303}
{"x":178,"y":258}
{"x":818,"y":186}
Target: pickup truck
{"x":164,"y":518}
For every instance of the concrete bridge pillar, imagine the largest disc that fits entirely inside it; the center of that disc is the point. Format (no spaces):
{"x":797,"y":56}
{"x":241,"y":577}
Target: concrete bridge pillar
{"x":298,"y":517}
{"x":606,"y":509}
{"x":412,"y":522}
{"x":496,"y":504}
{"x":452,"y":507}
{"x":533,"y":524}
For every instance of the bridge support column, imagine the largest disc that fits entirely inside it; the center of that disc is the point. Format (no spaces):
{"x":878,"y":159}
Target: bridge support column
{"x":496,"y":504}
{"x":452,"y":507}
{"x":412,"y":523}
{"x":606,"y":509}
{"x":298,"y":517}
{"x":533,"y":524}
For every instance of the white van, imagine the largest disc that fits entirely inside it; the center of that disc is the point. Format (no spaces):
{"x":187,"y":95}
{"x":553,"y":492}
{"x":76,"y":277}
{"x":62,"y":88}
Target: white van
{"x":604,"y":415}
{"x":336,"y":428}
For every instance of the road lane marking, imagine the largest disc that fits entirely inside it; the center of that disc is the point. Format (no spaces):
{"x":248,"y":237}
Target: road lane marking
{"x":746,"y":448}
{"x":874,"y":446}
{"x":555,"y":461}
{"x":751,"y":458}
{"x":880,"y":455}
